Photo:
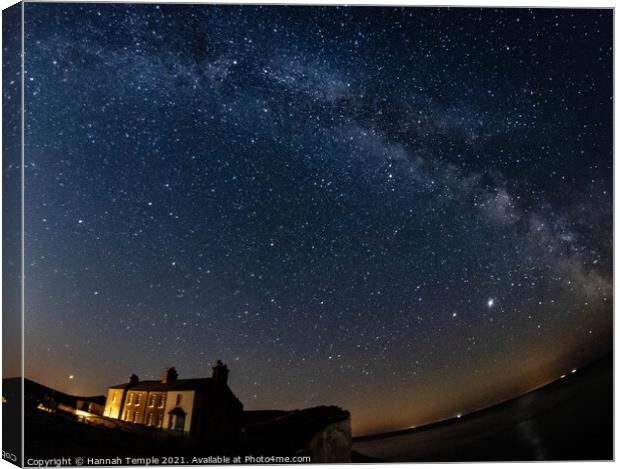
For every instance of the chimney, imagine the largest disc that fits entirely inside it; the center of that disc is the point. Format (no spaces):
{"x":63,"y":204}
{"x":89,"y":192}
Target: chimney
{"x":133,"y":380}
{"x":169,"y":375}
{"x":220,"y":372}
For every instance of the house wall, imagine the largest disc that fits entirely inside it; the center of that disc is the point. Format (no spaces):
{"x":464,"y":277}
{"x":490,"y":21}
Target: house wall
{"x":135,"y":407}
{"x":219,"y":418}
{"x":187,"y":404}
{"x":113,"y":403}
{"x":155,"y":409}
{"x":94,"y":408}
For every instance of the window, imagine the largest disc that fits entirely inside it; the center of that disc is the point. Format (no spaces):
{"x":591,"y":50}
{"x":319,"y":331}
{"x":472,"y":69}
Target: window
{"x":129,"y":416}
{"x":179,"y":397}
{"x":113,"y":397}
{"x":162,"y":401}
{"x":160,"y":420}
{"x":152,"y":400}
{"x":137,"y":399}
{"x":136,"y":417}
{"x":149,"y":419}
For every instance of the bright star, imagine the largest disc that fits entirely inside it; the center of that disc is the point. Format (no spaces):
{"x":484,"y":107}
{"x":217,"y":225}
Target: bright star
{"x":491,"y":302}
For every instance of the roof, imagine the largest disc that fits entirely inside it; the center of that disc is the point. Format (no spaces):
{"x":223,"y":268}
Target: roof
{"x":177,"y":411}
{"x":205,"y":385}
{"x":176,"y":385}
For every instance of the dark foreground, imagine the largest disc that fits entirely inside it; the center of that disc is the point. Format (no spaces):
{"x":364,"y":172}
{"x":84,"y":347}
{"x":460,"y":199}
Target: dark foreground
{"x":59,"y":433}
{"x":320,"y":434}
{"x":570,"y":419}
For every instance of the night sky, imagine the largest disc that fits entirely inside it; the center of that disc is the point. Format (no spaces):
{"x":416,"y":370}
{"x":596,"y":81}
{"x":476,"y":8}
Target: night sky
{"x":406,"y":212}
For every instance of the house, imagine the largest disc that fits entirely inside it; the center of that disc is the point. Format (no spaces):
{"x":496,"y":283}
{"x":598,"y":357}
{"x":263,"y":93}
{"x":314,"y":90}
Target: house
{"x":93,"y":405}
{"x":202,"y":407}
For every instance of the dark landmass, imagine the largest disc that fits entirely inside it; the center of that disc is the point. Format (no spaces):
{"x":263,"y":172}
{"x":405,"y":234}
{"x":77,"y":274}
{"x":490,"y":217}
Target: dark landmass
{"x":569,"y":419}
{"x":36,"y":393}
{"x":52,"y":430}
{"x":325,"y":432}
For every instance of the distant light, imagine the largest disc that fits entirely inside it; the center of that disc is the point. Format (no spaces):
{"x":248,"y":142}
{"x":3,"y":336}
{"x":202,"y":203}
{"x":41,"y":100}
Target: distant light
{"x":43,"y":408}
{"x":563,"y":376}
{"x":491,"y":302}
{"x":458,"y":416}
{"x":574,"y":370}
{"x":71,"y":376}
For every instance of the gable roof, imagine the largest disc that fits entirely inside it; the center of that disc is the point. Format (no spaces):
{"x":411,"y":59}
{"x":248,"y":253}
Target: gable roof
{"x":203,"y":385}
{"x":197,"y":384}
{"x":178,"y":411}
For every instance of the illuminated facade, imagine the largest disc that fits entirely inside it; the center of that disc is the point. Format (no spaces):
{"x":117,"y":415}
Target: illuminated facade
{"x":203,"y":406}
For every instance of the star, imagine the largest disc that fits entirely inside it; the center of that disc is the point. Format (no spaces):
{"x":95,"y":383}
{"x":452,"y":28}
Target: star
{"x":356,"y":190}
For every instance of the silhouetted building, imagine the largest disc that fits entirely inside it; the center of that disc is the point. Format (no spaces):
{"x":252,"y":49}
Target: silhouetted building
{"x":198,"y":407}
{"x":93,"y":405}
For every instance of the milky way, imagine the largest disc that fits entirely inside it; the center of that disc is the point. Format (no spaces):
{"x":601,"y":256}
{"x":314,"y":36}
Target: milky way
{"x":406,"y":212}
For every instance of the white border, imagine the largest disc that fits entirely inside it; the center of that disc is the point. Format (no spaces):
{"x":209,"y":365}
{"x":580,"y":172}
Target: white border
{"x":434,"y":3}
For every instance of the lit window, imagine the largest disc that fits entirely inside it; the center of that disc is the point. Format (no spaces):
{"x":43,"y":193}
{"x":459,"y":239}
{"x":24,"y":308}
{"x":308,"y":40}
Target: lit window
{"x":113,"y":397}
{"x":179,"y":396}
